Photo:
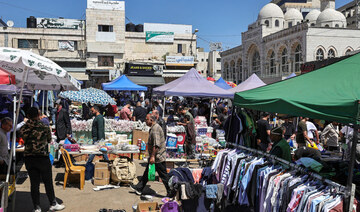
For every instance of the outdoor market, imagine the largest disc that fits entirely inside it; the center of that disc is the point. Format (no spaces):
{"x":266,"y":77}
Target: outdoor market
{"x":210,"y":145}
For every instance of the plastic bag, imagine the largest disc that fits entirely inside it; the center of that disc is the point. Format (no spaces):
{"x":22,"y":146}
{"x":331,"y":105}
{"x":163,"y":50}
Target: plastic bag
{"x":151,"y":173}
{"x":312,"y":145}
{"x":51,"y":157}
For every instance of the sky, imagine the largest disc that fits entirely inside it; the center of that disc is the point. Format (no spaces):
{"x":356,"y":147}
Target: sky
{"x":217,"y":20}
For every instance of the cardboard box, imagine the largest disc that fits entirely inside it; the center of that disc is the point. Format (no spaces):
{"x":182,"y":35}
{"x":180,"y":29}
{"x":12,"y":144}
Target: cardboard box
{"x":138,"y":134}
{"x":101,"y":174}
{"x":148,"y":206}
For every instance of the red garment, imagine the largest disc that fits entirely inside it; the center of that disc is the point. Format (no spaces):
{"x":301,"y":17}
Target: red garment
{"x":112,"y":110}
{"x":338,"y":208}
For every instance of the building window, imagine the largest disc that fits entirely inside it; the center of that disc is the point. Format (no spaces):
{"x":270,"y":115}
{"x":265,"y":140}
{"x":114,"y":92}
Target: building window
{"x":337,"y":25}
{"x":105,"y":28}
{"x":272,"y":66}
{"x":312,"y":24}
{"x":267,"y":23}
{"x":319,"y":54}
{"x":202,"y":60}
{"x":226,"y":67}
{"x":284,"y":61}
{"x":255,"y":63}
{"x":106,"y":61}
{"x":239,"y":71}
{"x":28,"y":43}
{"x":348,"y":52}
{"x":277,"y":23}
{"x":290,"y":24}
{"x":207,"y":60}
{"x":179,"y":49}
{"x":298,"y":58}
{"x":218,"y":60}
{"x":331,"y":53}
{"x":232,"y":73}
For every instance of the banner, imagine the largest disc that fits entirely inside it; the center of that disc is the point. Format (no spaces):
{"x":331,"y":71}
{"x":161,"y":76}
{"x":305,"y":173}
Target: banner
{"x":159,"y":37}
{"x":67,"y":45}
{"x":60,"y":23}
{"x":105,"y":5}
{"x":180,"y":60}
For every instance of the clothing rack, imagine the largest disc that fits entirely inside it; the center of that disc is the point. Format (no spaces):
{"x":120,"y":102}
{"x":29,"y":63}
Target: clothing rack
{"x":292,"y":165}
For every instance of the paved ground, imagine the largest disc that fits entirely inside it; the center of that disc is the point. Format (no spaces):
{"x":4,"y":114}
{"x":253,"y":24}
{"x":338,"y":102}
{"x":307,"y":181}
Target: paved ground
{"x":85,"y":200}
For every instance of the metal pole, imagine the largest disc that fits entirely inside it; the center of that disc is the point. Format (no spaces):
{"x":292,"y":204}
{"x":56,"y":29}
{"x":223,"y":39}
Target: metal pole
{"x":349,"y":184}
{"x":43,"y":100}
{"x":14,"y":109}
{"x":47,"y":102}
{"x":211,"y":110}
{"x":32,"y":99}
{"x":163,"y":115}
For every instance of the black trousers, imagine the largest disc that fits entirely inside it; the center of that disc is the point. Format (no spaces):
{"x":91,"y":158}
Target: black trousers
{"x":40,"y":168}
{"x":160,"y":168}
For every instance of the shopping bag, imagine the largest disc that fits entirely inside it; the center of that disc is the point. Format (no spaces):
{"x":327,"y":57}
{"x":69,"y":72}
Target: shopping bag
{"x":312,"y":145}
{"x":151,"y":173}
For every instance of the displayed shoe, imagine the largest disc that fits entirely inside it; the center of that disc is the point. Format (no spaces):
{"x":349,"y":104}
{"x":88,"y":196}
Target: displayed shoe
{"x":135,"y":189}
{"x":57,"y":207}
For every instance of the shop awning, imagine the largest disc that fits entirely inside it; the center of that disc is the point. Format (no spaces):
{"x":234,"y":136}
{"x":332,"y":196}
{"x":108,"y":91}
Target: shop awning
{"x":144,"y":80}
{"x":330,"y":93}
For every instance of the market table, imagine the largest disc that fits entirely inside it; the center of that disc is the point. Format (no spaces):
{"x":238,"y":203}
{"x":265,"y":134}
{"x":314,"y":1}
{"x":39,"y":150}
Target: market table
{"x":116,"y":152}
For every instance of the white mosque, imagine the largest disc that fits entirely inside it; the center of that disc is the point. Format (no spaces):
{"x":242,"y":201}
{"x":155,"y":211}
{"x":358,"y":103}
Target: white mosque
{"x":278,"y":43}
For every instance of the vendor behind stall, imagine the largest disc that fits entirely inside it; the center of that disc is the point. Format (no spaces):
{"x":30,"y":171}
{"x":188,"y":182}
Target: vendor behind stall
{"x":280,"y":147}
{"x":190,"y":138}
{"x":98,"y":130}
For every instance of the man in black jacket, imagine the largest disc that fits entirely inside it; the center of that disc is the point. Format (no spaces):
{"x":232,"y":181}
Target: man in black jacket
{"x":62,"y":123}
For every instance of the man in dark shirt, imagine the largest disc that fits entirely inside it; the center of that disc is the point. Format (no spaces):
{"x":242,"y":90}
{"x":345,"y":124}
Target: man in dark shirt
{"x":139,"y":113}
{"x":290,"y":129}
{"x":301,"y":135}
{"x":263,"y":132}
{"x":98,"y":130}
{"x":220,"y":120}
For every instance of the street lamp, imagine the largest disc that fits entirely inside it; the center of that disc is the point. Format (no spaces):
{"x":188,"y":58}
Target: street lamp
{"x":192,"y":36}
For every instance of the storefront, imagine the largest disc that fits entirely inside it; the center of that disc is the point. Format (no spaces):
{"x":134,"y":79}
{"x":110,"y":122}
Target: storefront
{"x":149,"y":75}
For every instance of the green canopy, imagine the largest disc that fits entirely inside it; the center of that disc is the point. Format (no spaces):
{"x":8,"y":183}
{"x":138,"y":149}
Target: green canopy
{"x":330,"y":93}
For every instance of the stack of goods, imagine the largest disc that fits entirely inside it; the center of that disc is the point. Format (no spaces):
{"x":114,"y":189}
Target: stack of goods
{"x":174,"y":147}
{"x":111,"y":125}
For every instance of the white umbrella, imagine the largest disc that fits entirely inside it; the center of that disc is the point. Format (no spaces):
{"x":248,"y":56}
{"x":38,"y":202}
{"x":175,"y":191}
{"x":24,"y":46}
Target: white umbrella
{"x":40,"y":72}
{"x":36,"y":72}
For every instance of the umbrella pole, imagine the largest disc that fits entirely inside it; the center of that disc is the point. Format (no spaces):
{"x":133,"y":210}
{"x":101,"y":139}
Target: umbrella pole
{"x":43,"y":100}
{"x":163,"y":115}
{"x":14,"y":109}
{"x":47,"y":102}
{"x":211,"y":110}
{"x":350,"y":186}
{"x":32,"y":99}
{"x":13,"y":146}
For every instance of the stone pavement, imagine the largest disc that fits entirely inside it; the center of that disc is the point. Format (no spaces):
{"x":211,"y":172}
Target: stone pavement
{"x":85,"y":200}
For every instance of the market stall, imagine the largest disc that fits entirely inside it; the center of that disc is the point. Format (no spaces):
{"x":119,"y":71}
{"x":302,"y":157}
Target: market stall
{"x":36,"y":72}
{"x":222,"y":84}
{"x":250,"y":83}
{"x":330,"y":93}
{"x":122,"y":83}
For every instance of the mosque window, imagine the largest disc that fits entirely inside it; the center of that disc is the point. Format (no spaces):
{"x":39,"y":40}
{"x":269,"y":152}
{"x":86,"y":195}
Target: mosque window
{"x":312,"y":24}
{"x":226,"y":66}
{"x":239,"y":71}
{"x":347,"y":52}
{"x":272,"y":66}
{"x":284,"y":61}
{"x":232,"y":75}
{"x":277,"y":23}
{"x":267,"y":23}
{"x":337,"y":25}
{"x":290,"y":24}
{"x":298,"y":58}
{"x":331,"y":53}
{"x":255,"y":64}
{"x":327,"y":25}
{"x":319,"y":54}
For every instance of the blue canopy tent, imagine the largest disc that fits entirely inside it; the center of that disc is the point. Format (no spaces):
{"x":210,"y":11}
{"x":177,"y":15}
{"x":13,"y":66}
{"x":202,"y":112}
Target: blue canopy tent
{"x":122,"y":83}
{"x":222,"y":84}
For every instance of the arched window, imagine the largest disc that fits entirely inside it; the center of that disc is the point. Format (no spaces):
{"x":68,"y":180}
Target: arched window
{"x":337,"y":25}
{"x":348,"y":51}
{"x":267,"y":23}
{"x":255,"y":63}
{"x":239,"y":71}
{"x":327,"y":25}
{"x":272,"y":66}
{"x":312,"y":24}
{"x":290,"y":24}
{"x":277,"y":23}
{"x":284,"y":61}
{"x":232,"y":75}
{"x":298,"y":58}
{"x":331,"y":53}
{"x":319,"y":54}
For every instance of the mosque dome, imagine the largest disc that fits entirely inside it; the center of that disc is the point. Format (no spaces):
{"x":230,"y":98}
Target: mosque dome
{"x":330,"y":15}
{"x":270,"y":10}
{"x":293,"y":14}
{"x":312,"y":16}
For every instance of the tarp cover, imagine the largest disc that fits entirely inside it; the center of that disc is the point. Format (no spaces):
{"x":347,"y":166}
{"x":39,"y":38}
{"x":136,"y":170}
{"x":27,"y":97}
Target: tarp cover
{"x":250,"y":83}
{"x":122,"y":83}
{"x":194,"y":85}
{"x":330,"y":93}
{"x":222,"y":84}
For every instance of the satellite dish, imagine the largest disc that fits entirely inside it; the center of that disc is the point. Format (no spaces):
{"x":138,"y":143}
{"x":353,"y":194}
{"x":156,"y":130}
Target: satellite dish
{"x":10,"y":23}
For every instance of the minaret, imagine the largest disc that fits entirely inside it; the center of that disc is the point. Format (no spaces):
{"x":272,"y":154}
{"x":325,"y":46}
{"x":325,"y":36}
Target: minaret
{"x":325,"y":4}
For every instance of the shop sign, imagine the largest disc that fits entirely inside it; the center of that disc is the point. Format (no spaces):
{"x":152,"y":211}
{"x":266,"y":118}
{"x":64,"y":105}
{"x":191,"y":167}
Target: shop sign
{"x":142,"y":70}
{"x":59,"y":23}
{"x":179,"y":60}
{"x":105,"y":5}
{"x":159,"y":37}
